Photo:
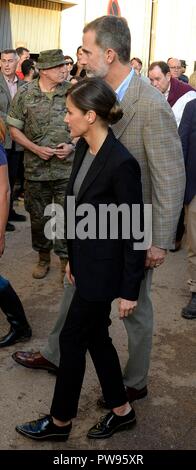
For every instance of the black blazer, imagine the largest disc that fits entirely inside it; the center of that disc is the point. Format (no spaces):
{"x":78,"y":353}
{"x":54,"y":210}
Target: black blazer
{"x":187,"y":132}
{"x":106,"y":269}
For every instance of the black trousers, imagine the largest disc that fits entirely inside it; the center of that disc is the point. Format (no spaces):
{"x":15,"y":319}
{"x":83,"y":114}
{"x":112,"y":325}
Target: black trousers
{"x":180,"y":227}
{"x":86,"y":327}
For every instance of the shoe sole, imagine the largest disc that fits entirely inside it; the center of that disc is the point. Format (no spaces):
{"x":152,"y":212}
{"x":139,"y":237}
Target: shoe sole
{"x":184,"y":315}
{"x":19,"y":340}
{"x":121,"y":427}
{"x":54,"y":437}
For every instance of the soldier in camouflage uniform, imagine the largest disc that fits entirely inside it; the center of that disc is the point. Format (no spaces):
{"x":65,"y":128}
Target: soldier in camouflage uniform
{"x":37,"y":122}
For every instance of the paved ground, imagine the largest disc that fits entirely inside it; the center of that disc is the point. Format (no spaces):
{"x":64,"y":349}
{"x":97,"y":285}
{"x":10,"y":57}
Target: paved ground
{"x":165,"y":420}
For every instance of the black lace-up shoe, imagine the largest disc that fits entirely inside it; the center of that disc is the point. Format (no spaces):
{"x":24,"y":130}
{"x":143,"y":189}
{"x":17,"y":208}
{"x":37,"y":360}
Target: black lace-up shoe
{"x":14,"y":217}
{"x":189,"y":311}
{"x":111,"y":423}
{"x":44,"y":428}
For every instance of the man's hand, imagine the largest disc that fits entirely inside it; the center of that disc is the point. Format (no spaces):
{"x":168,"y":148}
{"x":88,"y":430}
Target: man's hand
{"x":45,"y":153}
{"x":155,"y":257}
{"x":63,"y":150}
{"x":126,"y":307}
{"x":70,"y":278}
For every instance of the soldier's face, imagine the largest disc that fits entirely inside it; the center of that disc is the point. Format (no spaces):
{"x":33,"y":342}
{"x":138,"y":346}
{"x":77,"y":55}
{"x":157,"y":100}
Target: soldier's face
{"x":8,"y":64}
{"x":56,"y":74}
{"x":94,"y":59}
{"x":77,"y":121}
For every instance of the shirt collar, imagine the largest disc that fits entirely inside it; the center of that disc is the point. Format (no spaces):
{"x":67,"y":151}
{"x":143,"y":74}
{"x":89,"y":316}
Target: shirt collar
{"x":11,"y":81}
{"x":121,"y":90}
{"x":166,"y":94}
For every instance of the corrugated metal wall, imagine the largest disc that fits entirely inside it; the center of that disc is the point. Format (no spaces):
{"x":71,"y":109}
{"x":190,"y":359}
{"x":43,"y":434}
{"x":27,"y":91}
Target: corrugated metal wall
{"x":5,"y":26}
{"x":32,"y":23}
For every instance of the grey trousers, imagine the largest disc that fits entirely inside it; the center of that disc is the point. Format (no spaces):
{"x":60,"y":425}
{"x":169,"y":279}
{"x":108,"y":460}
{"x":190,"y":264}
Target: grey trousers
{"x":139,"y":328}
{"x":190,"y":221}
{"x":51,"y":351}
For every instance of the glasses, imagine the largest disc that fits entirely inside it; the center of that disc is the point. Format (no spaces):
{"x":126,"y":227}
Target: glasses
{"x":68,"y":63}
{"x":175,"y":67}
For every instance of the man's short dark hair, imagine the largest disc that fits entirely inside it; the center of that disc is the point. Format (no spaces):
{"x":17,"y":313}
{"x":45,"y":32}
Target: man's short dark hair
{"x":9,"y":51}
{"x":137,"y":60}
{"x":20,"y":50}
{"x":162,"y":65}
{"x":112,"y":32}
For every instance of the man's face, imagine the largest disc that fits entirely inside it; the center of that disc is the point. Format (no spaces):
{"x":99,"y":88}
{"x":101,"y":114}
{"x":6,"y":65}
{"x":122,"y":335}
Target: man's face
{"x":136,"y":65}
{"x":8,"y":65}
{"x":175,"y":67}
{"x":79,"y":55}
{"x":159,"y":80}
{"x":25,"y":55}
{"x":93,"y":57}
{"x":56,"y":74}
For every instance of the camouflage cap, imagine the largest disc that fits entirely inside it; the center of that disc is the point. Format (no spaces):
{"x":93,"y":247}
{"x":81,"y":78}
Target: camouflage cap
{"x":51,"y":58}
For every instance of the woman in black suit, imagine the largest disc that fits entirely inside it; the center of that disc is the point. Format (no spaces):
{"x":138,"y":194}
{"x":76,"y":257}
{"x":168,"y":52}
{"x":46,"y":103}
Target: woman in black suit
{"x":101,"y":266}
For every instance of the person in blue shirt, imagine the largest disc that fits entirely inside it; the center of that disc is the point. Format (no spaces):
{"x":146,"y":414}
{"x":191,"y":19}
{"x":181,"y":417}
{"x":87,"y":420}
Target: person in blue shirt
{"x":10,"y":303}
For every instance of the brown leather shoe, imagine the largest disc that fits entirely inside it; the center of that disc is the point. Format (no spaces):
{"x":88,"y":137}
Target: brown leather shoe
{"x":33,"y":360}
{"x":133,"y":394}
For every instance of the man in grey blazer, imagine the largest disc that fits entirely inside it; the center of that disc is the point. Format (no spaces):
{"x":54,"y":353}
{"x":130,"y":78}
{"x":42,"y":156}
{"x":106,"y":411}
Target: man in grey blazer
{"x":9,"y":84}
{"x":149,"y":131}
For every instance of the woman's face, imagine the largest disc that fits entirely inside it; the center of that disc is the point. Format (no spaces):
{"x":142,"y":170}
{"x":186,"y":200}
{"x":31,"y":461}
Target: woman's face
{"x":76,"y":120}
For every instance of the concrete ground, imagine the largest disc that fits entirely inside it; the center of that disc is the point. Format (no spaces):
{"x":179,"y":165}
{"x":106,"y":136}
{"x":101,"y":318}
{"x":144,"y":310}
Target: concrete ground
{"x":165,"y":420}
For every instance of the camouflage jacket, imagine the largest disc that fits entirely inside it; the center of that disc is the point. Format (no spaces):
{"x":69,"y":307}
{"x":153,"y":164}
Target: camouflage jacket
{"x":40,"y":117}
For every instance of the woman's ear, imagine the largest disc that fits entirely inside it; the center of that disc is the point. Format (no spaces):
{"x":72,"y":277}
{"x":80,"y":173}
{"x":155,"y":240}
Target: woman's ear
{"x":91,"y":116}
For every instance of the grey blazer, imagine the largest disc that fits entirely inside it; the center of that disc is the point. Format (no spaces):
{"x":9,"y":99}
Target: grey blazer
{"x":148,"y":130}
{"x":5,"y":102}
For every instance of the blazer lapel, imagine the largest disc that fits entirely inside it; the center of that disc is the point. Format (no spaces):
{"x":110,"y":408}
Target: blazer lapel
{"x":97,"y":165}
{"x":5,"y":87}
{"x":127,"y":105}
{"x":79,"y":156}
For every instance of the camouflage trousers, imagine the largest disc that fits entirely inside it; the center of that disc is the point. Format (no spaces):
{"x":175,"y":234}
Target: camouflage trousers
{"x":38,"y":195}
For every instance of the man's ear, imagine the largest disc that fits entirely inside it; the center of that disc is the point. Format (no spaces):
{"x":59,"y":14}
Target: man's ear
{"x":110,"y":55}
{"x":168,"y":76}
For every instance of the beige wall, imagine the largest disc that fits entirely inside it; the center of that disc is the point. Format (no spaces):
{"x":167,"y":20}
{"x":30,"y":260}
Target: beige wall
{"x":35,"y":25}
{"x":175,"y":31}
{"x":137,"y":12}
{"x":40,"y":24}
{"x":72,"y":23}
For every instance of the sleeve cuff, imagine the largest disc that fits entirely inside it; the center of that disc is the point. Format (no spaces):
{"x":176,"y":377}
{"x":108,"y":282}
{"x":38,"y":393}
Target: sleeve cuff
{"x":15,"y":122}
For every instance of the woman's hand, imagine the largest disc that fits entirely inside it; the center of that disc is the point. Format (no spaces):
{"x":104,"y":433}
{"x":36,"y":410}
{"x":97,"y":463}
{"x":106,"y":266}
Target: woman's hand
{"x":70,"y":278}
{"x":126,"y":307}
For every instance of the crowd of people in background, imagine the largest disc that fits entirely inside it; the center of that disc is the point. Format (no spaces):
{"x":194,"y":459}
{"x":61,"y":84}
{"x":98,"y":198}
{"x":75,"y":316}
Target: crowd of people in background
{"x":157,"y":126}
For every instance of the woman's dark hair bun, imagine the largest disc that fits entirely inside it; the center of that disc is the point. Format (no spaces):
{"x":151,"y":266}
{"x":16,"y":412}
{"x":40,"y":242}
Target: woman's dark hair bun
{"x":94,"y":93}
{"x":115,"y":113}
